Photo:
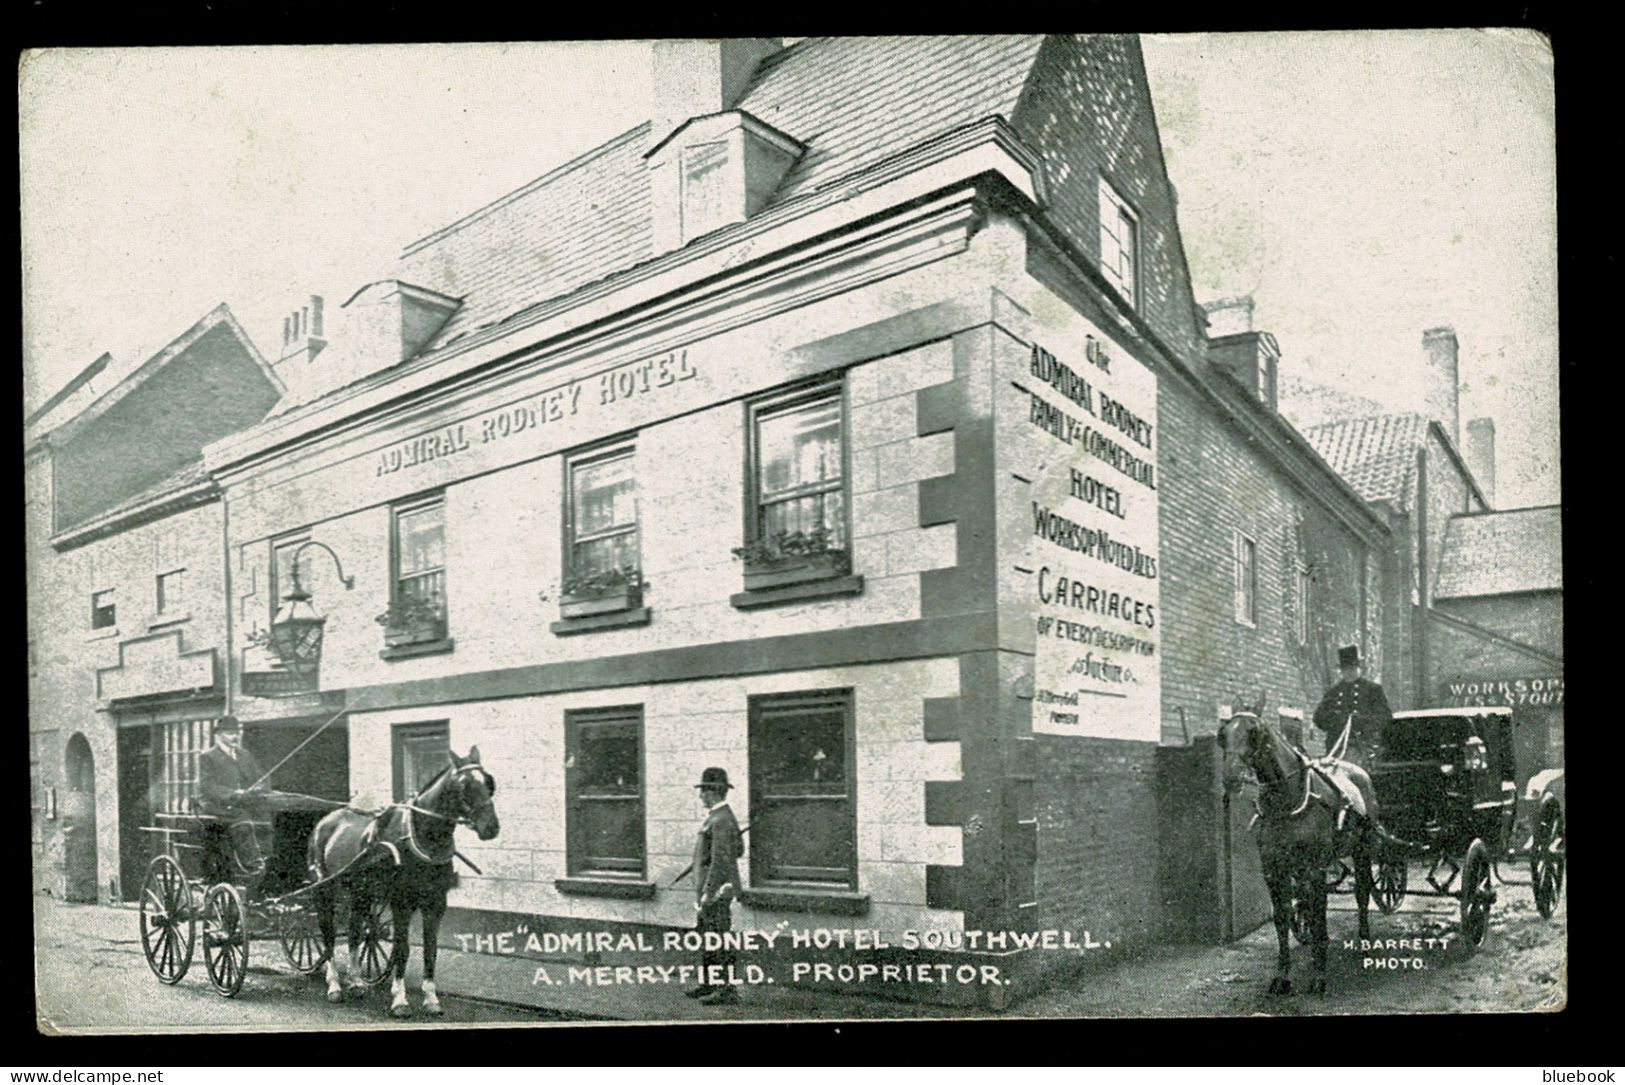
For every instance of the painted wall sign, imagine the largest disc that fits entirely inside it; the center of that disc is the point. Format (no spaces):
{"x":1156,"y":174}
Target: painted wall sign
{"x":277,"y":683}
{"x":1544,"y":691}
{"x":599,"y":391}
{"x":1093,"y":545}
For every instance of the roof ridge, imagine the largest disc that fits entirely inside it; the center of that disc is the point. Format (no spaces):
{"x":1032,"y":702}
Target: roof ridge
{"x":525,"y":189}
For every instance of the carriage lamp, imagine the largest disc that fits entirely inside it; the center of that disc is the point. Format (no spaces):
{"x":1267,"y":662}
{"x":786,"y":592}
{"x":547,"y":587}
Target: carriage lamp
{"x":296,"y":631}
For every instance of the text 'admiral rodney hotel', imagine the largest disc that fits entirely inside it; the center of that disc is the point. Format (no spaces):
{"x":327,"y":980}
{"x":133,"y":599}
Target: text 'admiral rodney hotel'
{"x":852,"y":427}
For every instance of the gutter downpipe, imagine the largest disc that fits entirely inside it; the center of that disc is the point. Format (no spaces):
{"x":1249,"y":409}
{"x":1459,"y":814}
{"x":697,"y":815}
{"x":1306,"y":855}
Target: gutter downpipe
{"x":1424,"y":605}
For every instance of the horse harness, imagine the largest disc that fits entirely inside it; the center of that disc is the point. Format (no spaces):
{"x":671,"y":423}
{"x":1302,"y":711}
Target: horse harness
{"x":410,"y":808}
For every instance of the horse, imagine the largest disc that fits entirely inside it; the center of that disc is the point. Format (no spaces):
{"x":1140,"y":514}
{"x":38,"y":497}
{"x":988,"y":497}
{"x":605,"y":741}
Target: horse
{"x":402,"y":856}
{"x":1299,"y":834}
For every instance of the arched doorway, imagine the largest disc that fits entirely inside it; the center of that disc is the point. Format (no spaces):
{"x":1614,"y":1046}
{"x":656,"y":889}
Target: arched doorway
{"x":78,"y":811}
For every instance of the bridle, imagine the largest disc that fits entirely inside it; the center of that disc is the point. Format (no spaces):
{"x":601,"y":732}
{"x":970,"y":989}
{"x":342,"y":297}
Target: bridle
{"x":410,"y":808}
{"x":1252,"y":753}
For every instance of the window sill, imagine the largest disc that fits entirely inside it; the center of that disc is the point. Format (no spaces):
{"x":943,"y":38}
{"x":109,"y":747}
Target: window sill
{"x":629,"y":889}
{"x":425,"y":648}
{"x":796,"y":593}
{"x":159,"y":621}
{"x":566,"y":627}
{"x":106,"y":633}
{"x":824,"y":901}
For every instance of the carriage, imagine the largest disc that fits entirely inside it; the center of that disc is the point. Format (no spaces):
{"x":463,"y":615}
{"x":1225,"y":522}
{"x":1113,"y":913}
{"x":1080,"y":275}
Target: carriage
{"x":1447,"y":793}
{"x":199,"y":889}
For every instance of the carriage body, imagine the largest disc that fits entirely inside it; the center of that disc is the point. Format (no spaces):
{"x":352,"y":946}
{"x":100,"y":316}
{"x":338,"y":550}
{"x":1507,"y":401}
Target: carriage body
{"x":1447,"y":793}
{"x":202,"y":890}
{"x":1447,"y":777}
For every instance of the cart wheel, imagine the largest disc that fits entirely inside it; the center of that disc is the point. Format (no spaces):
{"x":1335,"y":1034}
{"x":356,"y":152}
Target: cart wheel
{"x":1390,"y":875}
{"x":377,"y":949}
{"x":1476,"y":895}
{"x":1548,"y":856}
{"x":225,"y":939}
{"x":300,"y":933}
{"x":168,"y":920}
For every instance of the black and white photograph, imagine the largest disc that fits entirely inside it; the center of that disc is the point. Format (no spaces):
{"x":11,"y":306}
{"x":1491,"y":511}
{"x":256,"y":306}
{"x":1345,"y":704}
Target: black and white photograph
{"x":1053,"y":526}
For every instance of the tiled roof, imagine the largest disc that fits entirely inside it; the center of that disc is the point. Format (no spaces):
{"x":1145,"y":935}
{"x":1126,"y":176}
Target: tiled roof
{"x":187,"y":475}
{"x":852,"y":102}
{"x":1377,"y":455}
{"x":1495,"y":553}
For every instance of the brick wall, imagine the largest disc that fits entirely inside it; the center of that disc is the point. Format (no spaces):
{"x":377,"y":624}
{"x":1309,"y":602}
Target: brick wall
{"x":1212,"y":484}
{"x":1534,"y":619}
{"x":1087,"y":109}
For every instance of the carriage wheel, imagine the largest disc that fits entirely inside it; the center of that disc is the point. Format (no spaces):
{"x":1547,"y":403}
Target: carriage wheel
{"x":225,"y":939}
{"x":301,"y":936}
{"x":1476,"y":895}
{"x":1548,"y":856}
{"x":1390,"y":875}
{"x":168,"y":921}
{"x":376,"y":950}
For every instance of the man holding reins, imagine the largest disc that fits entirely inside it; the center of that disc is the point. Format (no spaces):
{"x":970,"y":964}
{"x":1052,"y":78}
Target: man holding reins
{"x":231,"y":787}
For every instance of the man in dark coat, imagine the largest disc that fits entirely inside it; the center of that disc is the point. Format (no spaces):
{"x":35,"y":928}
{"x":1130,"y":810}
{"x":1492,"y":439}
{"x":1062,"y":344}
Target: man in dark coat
{"x":717,"y":849}
{"x":1359,"y":697}
{"x":230,"y":788}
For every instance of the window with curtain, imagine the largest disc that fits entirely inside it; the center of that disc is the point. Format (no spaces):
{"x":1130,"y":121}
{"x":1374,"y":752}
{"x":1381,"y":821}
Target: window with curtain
{"x":798,"y":448}
{"x":420,"y":559}
{"x":603,"y":510}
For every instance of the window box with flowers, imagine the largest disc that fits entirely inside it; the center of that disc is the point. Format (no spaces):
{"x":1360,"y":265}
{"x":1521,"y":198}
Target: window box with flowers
{"x":606,"y":592}
{"x":788,"y":558}
{"x":412,"y":620}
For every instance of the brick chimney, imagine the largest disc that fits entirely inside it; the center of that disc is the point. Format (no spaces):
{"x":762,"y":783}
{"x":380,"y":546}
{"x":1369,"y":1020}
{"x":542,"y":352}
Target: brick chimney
{"x":1227,"y":316}
{"x":1440,"y":381}
{"x":1251,"y":358}
{"x":302,"y":333}
{"x":695,"y":77}
{"x":1480,"y":455}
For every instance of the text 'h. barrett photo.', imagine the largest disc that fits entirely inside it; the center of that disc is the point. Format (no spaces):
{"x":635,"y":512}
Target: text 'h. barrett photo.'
{"x":793,"y":530}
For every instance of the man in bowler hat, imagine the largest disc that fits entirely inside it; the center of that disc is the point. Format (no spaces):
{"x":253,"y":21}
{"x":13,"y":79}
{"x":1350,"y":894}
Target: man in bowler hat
{"x":1360,"y":697}
{"x":231,"y":789}
{"x":717,"y":849}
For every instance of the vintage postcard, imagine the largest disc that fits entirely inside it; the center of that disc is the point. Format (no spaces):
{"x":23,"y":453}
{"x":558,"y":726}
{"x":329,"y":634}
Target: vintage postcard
{"x":793,"y":529}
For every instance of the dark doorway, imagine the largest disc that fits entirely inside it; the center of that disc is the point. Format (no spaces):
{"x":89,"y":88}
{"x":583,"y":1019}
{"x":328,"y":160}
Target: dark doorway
{"x":134,"y":808}
{"x":78,"y":811}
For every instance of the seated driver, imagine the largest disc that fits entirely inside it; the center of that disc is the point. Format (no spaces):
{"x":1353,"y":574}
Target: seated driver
{"x":231,"y":788}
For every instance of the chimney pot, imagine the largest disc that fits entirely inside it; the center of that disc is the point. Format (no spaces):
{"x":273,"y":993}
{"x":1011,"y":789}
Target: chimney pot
{"x":1228,"y":316}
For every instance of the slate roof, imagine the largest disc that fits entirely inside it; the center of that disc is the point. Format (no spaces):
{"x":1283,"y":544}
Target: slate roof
{"x":184,"y":477}
{"x":853,"y":102}
{"x":1377,"y":454}
{"x":1495,"y":553}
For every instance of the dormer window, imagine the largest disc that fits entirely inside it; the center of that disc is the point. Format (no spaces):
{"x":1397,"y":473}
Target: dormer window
{"x":703,"y":207}
{"x":714,"y":171}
